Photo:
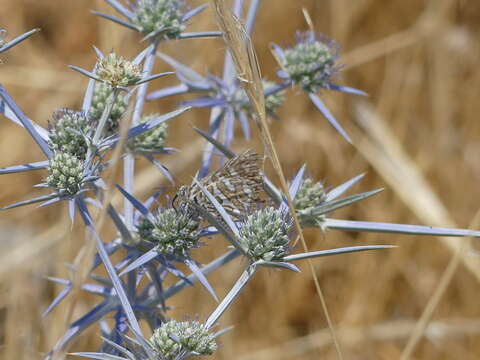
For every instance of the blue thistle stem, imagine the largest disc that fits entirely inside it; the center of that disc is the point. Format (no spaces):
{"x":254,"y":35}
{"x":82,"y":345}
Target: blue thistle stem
{"x":231,"y":296}
{"x":104,"y":118}
{"x":129,"y":160}
{"x":251,"y":16}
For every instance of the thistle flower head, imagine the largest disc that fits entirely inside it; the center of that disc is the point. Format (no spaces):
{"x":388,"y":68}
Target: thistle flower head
{"x":309,"y":196}
{"x":118,"y":72}
{"x":173,"y":338}
{"x":172,"y":232}
{"x":66,"y":173}
{"x":265,"y":234}
{"x":162,"y":17}
{"x":311,"y":62}
{"x":100,"y":95}
{"x":152,"y":140}
{"x":68,"y":132}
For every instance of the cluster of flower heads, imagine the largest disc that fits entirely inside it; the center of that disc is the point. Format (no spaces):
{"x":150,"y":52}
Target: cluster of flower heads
{"x":69,"y":134}
{"x":72,"y":133}
{"x":172,"y":232}
{"x":176,"y":338}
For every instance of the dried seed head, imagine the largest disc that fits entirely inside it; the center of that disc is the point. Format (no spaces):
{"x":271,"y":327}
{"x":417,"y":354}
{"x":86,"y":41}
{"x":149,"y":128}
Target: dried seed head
{"x":150,"y":141}
{"x":272,"y":102}
{"x":309,"y":196}
{"x":66,"y":173}
{"x":68,"y":132}
{"x":100,"y":95}
{"x":173,"y":233}
{"x":162,"y":17}
{"x":265,"y":234}
{"x":311,"y":63}
{"x":118,"y":72}
{"x":190,"y":336}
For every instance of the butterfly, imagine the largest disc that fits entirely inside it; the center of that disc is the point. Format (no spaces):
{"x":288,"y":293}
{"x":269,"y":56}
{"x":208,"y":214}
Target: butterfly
{"x":236,"y":186}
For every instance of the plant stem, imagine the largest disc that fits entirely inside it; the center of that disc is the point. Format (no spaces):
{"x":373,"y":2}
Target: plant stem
{"x":129,"y":159}
{"x":105,"y":115}
{"x":232,"y":294}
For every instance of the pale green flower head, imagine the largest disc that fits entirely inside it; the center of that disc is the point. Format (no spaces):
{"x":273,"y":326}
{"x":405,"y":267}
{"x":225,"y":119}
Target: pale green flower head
{"x":66,"y":173}
{"x":309,"y":196}
{"x":172,"y":232}
{"x":118,"y":72}
{"x":152,"y":140}
{"x":68,"y":132}
{"x":311,"y":62}
{"x":159,"y":16}
{"x":265,"y":234}
{"x":99,"y":100}
{"x":190,"y":337}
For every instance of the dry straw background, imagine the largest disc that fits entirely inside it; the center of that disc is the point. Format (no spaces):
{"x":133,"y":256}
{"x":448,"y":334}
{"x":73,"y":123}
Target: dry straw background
{"x":417,"y":135}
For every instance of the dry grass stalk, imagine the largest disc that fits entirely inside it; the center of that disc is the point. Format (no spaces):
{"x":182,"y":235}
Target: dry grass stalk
{"x":248,"y":70}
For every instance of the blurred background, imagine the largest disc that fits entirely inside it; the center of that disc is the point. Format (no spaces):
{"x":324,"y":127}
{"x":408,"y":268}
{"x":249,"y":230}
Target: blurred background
{"x":417,"y":135}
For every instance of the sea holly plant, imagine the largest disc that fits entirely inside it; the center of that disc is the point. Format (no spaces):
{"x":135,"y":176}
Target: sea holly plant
{"x":75,"y":142}
{"x":159,"y":238}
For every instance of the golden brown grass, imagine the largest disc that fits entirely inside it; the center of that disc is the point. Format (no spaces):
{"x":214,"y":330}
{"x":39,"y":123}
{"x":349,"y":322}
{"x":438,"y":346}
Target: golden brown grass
{"x":417,"y":60}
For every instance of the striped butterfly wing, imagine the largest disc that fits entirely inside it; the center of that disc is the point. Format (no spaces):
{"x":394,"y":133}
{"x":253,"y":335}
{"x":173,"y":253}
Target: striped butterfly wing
{"x":236,"y":186}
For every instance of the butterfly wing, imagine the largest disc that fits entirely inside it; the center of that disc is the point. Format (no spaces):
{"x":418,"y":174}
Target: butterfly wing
{"x":237,"y":185}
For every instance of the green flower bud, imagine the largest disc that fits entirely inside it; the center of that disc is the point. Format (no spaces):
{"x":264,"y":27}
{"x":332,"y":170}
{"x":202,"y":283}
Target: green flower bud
{"x":310,"y":63}
{"x":309,"y":196}
{"x":172,"y":232}
{"x":66,"y":173}
{"x":68,"y":132}
{"x":160,"y":16}
{"x":150,"y":141}
{"x":100,"y":95}
{"x":190,"y":336}
{"x":265,"y":234}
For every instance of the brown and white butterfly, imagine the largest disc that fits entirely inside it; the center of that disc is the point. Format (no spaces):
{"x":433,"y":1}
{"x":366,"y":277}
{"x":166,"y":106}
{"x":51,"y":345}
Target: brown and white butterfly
{"x":236,"y":186}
